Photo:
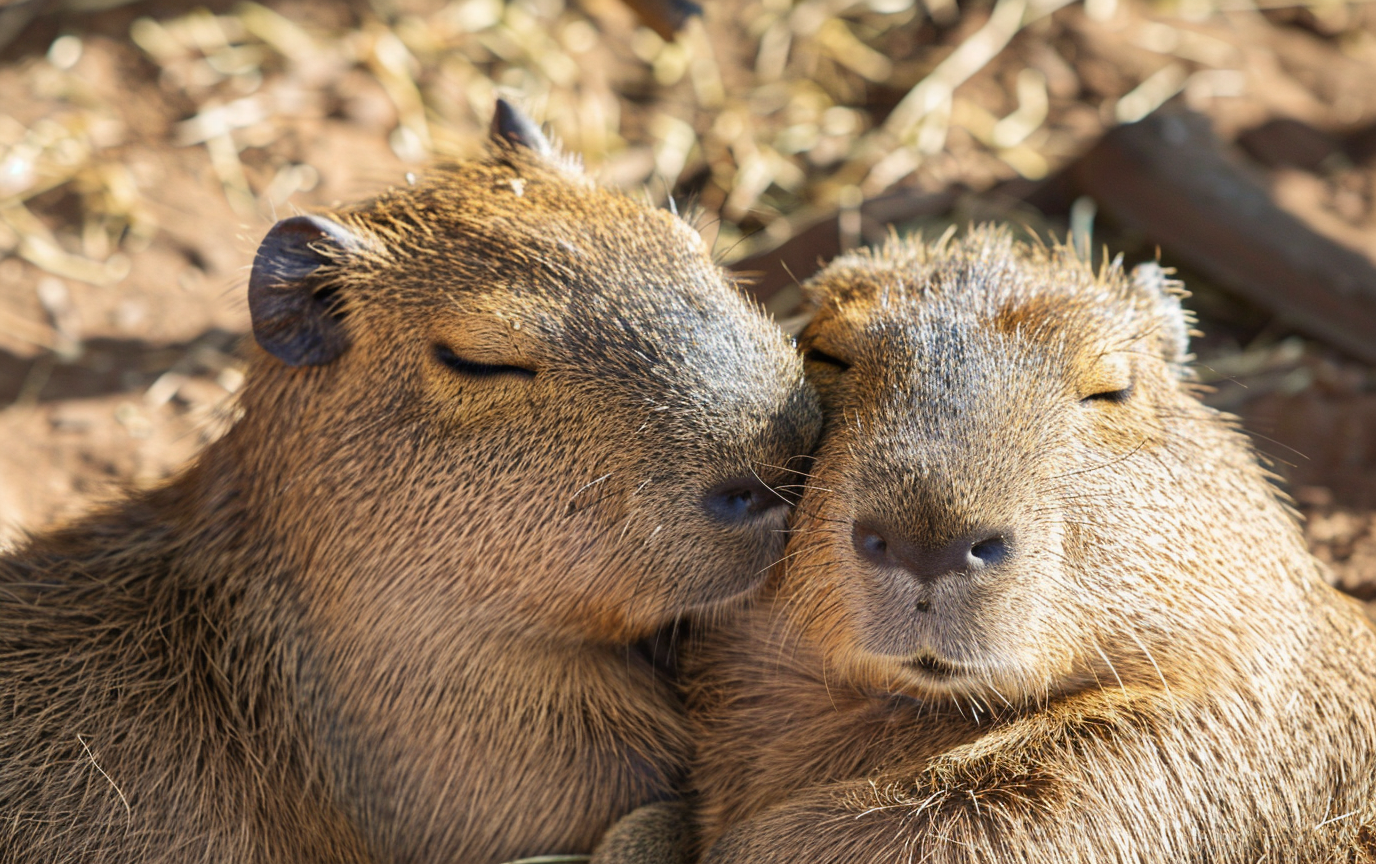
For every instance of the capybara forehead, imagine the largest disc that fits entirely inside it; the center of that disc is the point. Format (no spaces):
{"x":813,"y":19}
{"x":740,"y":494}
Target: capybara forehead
{"x":520,"y":230}
{"x":908,"y":296}
{"x":601,"y":284}
{"x":589,"y":267}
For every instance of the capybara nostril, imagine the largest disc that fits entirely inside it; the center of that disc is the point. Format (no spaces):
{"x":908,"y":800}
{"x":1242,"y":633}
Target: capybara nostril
{"x":989,"y":552}
{"x":870,"y":544}
{"x":961,"y":556}
{"x":883,"y":548}
{"x":742,"y":499}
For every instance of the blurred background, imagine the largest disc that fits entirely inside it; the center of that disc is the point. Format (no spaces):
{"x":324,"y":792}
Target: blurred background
{"x":146,"y":146}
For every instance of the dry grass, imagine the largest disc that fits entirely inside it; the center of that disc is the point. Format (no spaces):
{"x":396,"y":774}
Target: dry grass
{"x":765,"y":109}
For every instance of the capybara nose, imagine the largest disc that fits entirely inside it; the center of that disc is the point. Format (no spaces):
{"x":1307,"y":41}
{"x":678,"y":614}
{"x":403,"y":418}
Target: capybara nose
{"x":742,"y":499}
{"x":970,"y":553}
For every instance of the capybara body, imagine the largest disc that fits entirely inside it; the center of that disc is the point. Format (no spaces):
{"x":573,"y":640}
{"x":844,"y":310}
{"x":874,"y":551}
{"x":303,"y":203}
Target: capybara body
{"x":507,"y":423}
{"x":1041,"y":604}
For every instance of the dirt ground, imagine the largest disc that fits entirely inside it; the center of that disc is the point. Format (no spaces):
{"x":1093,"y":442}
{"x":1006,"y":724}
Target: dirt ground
{"x":146,"y":146}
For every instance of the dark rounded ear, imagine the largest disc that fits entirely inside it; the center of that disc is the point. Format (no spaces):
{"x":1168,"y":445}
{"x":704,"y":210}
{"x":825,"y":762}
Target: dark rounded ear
{"x":1176,"y":321}
{"x":513,"y":129}
{"x":296,"y":316}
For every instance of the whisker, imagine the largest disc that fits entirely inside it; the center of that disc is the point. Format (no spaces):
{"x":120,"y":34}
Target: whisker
{"x":1152,"y":660}
{"x":1111,"y":667}
{"x":785,"y":468}
{"x":1122,"y":458}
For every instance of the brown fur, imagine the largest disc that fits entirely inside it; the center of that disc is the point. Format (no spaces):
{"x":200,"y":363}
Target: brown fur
{"x":658,"y":833}
{"x":388,"y":615}
{"x":1154,"y":673}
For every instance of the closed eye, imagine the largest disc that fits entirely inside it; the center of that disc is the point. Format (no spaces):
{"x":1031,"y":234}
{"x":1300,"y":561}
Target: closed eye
{"x":473,"y":369}
{"x":1116,"y":397}
{"x":812,"y":355}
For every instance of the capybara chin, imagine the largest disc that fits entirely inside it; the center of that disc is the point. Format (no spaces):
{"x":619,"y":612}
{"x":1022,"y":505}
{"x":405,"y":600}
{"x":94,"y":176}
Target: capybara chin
{"x":501,"y":424}
{"x":1041,"y":604}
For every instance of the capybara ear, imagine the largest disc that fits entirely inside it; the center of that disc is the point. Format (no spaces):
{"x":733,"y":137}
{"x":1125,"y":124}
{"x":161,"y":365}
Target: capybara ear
{"x":296,"y":315}
{"x":1174,"y":336}
{"x":511,"y":128}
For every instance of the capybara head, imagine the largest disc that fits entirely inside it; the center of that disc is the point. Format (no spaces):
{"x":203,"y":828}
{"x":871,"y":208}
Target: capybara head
{"x":1017,"y":492}
{"x":504,"y":369}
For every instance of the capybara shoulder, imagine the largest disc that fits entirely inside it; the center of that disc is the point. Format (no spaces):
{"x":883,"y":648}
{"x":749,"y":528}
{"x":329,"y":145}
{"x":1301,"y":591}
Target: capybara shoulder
{"x":500,"y":425}
{"x":1040,"y":602}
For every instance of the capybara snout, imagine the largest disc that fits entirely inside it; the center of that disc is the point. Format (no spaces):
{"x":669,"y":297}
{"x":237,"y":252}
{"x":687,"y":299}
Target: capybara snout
{"x":983,"y":419}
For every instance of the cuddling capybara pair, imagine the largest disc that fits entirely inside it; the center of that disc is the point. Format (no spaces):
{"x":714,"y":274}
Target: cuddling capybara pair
{"x":1039,"y":604}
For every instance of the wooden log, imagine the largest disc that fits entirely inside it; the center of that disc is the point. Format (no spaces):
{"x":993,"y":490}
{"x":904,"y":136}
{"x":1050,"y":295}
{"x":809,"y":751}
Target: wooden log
{"x":1169,"y":177}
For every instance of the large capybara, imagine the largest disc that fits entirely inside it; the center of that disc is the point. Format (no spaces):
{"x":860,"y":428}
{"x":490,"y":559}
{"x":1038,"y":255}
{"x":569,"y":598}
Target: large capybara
{"x":504,"y":424}
{"x":1040,"y":604}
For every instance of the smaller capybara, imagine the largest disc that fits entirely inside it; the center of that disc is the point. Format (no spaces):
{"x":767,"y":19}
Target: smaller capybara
{"x":1040,"y":603}
{"x":500,"y":425}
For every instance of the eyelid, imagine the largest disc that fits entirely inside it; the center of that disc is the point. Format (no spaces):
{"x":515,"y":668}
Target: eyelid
{"x":1110,"y":378}
{"x":1117,"y":397}
{"x":817,"y":355}
{"x":474,"y":369}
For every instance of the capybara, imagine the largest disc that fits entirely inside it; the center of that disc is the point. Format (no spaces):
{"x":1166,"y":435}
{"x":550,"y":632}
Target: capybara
{"x":1040,"y":603}
{"x":500,"y":425}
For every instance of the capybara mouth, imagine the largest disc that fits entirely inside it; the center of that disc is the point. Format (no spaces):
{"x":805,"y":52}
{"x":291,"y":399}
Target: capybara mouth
{"x":933,"y":666}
